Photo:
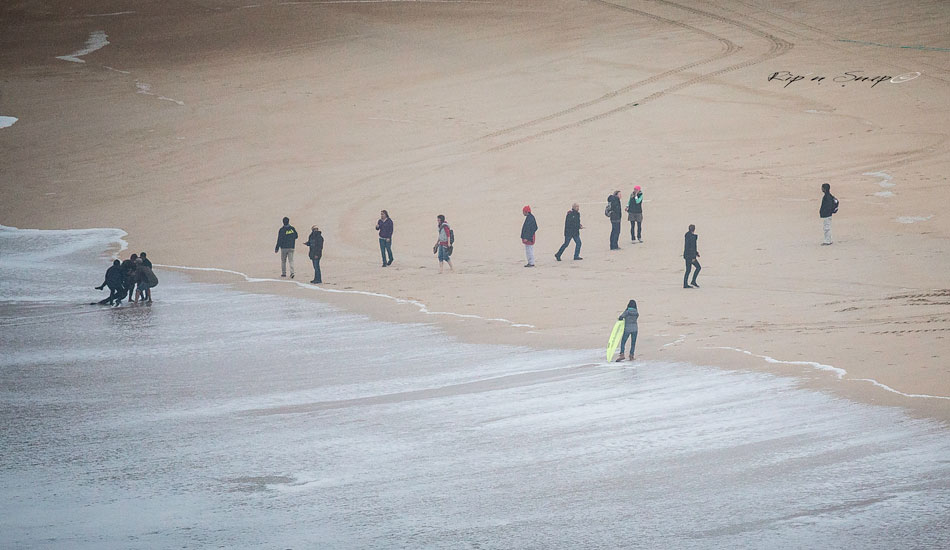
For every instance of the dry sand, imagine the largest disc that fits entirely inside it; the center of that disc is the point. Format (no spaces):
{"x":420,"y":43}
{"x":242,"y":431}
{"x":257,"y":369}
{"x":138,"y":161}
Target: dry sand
{"x":201,"y":124}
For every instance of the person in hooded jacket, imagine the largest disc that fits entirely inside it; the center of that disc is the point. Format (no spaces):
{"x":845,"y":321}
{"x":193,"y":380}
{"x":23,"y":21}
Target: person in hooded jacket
{"x":145,"y":279}
{"x":286,"y":242}
{"x":128,"y":273}
{"x":829,"y":206}
{"x":529,"y":231}
{"x":115,"y":280}
{"x":315,"y":242}
{"x":616,"y":214}
{"x":629,"y":318}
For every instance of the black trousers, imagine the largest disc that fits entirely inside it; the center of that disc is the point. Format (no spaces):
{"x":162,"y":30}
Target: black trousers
{"x":635,"y":234}
{"x":115,"y":294}
{"x":317,"y":278}
{"x":577,"y":245}
{"x":614,"y":234}
{"x":690,"y":262}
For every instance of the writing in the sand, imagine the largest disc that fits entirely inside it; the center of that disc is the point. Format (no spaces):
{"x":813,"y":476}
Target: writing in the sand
{"x":845,"y":78}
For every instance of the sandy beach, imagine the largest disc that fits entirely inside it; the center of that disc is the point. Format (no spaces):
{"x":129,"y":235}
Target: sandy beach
{"x":196,"y":126}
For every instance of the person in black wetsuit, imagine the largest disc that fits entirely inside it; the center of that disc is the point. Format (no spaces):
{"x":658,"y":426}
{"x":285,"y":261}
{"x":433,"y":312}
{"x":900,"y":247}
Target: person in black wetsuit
{"x":115,"y":280}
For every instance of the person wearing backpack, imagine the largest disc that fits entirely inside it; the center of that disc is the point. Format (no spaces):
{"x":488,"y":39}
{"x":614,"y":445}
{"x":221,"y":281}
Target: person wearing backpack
{"x":615,"y":213}
{"x":829,"y":206}
{"x":635,"y":214}
{"x":444,"y":244}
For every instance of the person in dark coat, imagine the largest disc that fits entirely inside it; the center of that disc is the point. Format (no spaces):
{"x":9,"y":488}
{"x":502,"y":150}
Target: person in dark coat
{"x":286,"y":242}
{"x":115,"y":280}
{"x":690,"y":254}
{"x":315,"y":242}
{"x":829,"y":206}
{"x":385,"y":228}
{"x":145,"y":260}
{"x":529,"y":231}
{"x":145,"y":279}
{"x":572,"y":231}
{"x":616,"y":214}
{"x":635,"y":214}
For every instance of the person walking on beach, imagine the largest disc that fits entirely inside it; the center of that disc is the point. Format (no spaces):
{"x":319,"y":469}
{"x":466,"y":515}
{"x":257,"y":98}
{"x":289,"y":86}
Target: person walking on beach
{"x":829,"y":206}
{"x":286,"y":242}
{"x":385,"y":228}
{"x":690,"y":254}
{"x":115,"y":280}
{"x":145,"y":260}
{"x":529,"y":231}
{"x":629,"y":318}
{"x":572,"y":231}
{"x":444,"y":244}
{"x":315,"y":242}
{"x":635,"y":214}
{"x":615,"y":213}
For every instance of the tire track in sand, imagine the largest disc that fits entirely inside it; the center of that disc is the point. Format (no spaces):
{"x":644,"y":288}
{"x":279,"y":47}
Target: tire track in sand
{"x":777,"y":47}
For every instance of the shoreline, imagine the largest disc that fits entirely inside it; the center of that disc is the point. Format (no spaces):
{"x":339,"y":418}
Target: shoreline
{"x":808,"y":374}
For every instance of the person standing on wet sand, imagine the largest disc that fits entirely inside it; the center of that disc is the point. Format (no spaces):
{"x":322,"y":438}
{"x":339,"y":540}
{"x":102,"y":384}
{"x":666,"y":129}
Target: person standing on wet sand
{"x":615,"y":213}
{"x":315,"y":242}
{"x":145,"y":260}
{"x":385,"y":228}
{"x":629,"y":318}
{"x":572,"y":231}
{"x":690,"y":253}
{"x":635,"y":214}
{"x":128,"y":272}
{"x":286,"y":242}
{"x":529,"y":231}
{"x":443,"y":244}
{"x":829,"y":206}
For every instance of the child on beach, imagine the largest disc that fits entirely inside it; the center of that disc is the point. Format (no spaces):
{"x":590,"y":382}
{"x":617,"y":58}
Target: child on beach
{"x":629,"y":318}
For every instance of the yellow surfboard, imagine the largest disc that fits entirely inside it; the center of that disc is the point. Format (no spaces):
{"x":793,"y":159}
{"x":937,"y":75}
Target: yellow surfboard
{"x":614,"y":341}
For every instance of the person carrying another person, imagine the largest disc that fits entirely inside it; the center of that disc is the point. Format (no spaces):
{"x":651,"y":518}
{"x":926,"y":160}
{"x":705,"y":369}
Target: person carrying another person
{"x":115,"y":280}
{"x":572,"y":231}
{"x":690,"y":254}
{"x":444,"y":243}
{"x":315,"y":242}
{"x":145,"y":260}
{"x":385,"y":228}
{"x":128,"y":274}
{"x":286,"y":242}
{"x":629,"y":318}
{"x":146,"y":280}
{"x":635,"y":214}
{"x":529,"y":231}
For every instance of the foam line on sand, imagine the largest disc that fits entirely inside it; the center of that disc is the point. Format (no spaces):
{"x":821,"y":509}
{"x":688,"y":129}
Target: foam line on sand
{"x":96,"y":40}
{"x":422,"y":307}
{"x":839,"y":373}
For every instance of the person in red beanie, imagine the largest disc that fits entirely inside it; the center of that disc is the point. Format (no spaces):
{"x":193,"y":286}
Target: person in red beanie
{"x":528,"y":231}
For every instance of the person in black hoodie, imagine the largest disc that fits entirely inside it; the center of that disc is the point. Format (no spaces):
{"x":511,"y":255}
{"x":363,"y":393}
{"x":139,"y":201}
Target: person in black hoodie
{"x":829,"y":206}
{"x":315,"y":242}
{"x":145,"y":260}
{"x":616,"y":214}
{"x":690,"y":253}
{"x":572,"y":231}
{"x":115,"y":280}
{"x":286,"y":242}
{"x":128,"y":274}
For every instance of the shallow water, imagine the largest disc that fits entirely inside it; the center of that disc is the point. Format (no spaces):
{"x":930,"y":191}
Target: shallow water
{"x":227,"y":419}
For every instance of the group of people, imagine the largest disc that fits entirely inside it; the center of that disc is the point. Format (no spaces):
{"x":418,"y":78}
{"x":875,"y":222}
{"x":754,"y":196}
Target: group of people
{"x":131,"y":279}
